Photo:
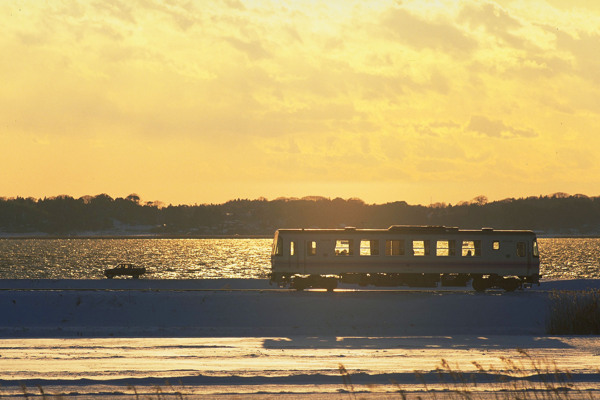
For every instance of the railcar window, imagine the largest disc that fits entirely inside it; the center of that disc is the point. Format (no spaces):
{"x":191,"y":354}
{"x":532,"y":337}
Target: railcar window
{"x":496,"y":245}
{"x":311,"y":248}
{"x":374,"y":247}
{"x":394,"y":247}
{"x":536,"y":251}
{"x":278,"y":248}
{"x":420,"y":247}
{"x":471,"y":248}
{"x":445,"y":248}
{"x":369,"y":247}
{"x":343,"y":247}
{"x":292,"y":248}
{"x":521,"y":249}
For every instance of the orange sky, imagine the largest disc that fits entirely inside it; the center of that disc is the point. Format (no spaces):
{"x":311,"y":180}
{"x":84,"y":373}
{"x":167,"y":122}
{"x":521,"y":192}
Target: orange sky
{"x":201,"y":102}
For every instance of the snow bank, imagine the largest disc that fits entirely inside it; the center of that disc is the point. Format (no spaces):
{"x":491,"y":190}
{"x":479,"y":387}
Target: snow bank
{"x":97,"y":308}
{"x":242,"y":367}
{"x":278,"y":339}
{"x":239,"y":284}
{"x":134,"y":284}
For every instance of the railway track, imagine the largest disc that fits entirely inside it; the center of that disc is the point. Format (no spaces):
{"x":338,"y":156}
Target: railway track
{"x":248,"y":285}
{"x":274,"y":290}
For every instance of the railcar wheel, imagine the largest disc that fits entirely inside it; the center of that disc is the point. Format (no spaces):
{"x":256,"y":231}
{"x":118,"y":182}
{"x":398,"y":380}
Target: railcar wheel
{"x":510,"y":284}
{"x":480,"y":284}
{"x":364,"y":280}
{"x":299,"y":284}
{"x":330,"y":284}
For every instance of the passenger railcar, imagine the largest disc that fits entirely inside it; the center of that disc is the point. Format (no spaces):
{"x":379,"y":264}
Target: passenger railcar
{"x":405,"y":256}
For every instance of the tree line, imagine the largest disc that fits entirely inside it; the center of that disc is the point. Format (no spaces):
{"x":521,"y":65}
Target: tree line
{"x":557,"y":214}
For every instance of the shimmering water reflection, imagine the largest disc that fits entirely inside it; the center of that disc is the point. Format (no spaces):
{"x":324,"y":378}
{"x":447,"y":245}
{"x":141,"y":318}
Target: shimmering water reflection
{"x":163,"y":258}
{"x":570,"y":258}
{"x":217,"y":258}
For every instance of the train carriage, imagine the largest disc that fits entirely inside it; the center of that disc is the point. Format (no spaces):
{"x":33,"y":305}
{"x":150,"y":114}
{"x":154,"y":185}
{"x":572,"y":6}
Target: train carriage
{"x":405,"y":255}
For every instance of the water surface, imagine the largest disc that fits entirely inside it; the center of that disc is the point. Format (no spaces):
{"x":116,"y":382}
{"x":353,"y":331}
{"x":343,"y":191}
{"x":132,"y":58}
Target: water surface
{"x":566,"y":258}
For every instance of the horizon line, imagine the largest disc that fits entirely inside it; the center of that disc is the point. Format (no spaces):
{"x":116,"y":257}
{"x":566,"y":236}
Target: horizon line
{"x":480,"y":199}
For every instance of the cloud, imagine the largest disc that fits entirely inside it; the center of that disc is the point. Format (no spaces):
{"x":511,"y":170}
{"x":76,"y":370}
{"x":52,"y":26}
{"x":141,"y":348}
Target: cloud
{"x":235,"y":4}
{"x":420,"y":34}
{"x":293,"y":34}
{"x":499,"y":129}
{"x":437,"y":128}
{"x":182,"y":14}
{"x":253,"y":49}
{"x":584,"y":49}
{"x":358,"y":90}
{"x":121,"y":10}
{"x":494,"y":19}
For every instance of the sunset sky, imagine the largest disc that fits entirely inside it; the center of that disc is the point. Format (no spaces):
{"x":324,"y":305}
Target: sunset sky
{"x":205,"y":101}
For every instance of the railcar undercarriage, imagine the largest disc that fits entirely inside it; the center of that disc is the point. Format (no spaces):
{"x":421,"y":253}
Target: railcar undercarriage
{"x":479,"y":282}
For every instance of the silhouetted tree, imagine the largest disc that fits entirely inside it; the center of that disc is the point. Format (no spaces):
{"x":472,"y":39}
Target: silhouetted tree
{"x":557,"y":213}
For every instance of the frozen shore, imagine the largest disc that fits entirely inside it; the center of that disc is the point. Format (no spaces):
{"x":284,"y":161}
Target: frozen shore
{"x":244,"y":307}
{"x":234,"y":339}
{"x":323,"y":367}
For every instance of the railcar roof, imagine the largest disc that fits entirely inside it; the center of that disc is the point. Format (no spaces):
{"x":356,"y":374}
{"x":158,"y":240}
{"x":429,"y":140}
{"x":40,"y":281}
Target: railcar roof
{"x":407,"y":229}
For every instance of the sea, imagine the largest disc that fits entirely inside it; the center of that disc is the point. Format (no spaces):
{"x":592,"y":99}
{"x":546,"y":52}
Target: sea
{"x":78,"y":258}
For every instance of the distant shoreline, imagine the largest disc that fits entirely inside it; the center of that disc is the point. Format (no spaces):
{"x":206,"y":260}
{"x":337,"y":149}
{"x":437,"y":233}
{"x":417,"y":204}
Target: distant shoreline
{"x":130,"y":236}
{"x":192,"y":236}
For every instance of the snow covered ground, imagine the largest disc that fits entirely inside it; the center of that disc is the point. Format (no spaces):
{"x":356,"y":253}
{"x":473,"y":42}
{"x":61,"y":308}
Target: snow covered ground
{"x":241,"y":338}
{"x":245,"y":307}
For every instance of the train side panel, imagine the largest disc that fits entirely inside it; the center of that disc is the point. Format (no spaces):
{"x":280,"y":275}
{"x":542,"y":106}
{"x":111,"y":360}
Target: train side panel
{"x":438,"y":251}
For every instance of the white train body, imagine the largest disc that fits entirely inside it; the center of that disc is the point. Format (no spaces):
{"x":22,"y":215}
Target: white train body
{"x":405,"y":255}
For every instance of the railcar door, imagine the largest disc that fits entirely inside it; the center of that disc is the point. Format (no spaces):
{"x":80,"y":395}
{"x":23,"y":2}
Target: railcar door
{"x":535,"y":263}
{"x":523,"y":254}
{"x":508,"y":251}
{"x":532,"y":257}
{"x":529,"y":257}
{"x":294,"y":255}
{"x":302,"y":256}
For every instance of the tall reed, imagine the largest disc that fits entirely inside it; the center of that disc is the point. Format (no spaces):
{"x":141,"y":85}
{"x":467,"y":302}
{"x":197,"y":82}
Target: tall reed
{"x":522,"y":377}
{"x":574,"y":313}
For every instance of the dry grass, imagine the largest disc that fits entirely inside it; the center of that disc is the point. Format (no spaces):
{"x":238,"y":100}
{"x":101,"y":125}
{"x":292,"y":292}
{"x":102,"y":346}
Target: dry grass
{"x":166,"y":392}
{"x":574,"y":313}
{"x":522,"y":378}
